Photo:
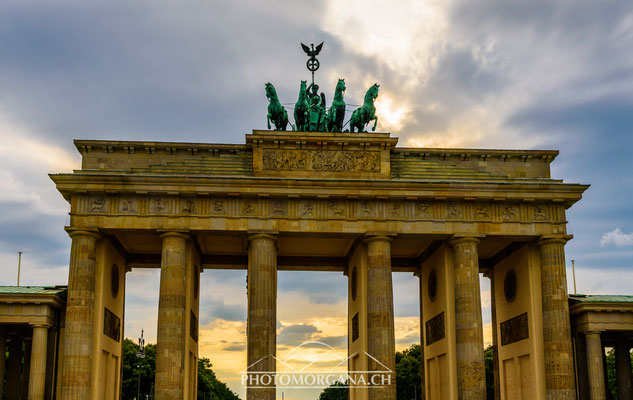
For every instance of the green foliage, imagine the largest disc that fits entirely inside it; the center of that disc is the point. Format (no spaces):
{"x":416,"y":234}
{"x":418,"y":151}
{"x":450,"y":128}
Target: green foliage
{"x":336,"y":391}
{"x":134,"y":366}
{"x":490,"y":377}
{"x":611,"y":377}
{"x":209,"y":387}
{"x":408,"y":378}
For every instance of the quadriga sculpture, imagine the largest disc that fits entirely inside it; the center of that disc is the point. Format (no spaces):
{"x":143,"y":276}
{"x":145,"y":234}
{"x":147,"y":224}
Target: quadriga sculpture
{"x":302,"y":109}
{"x":336,"y":115}
{"x":365,"y":113}
{"x":276,"y":112}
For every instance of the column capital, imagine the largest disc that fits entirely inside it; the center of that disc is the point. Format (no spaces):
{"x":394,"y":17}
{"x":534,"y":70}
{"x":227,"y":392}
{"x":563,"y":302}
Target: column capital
{"x":253,"y":235}
{"x":551,"y":239}
{"x":72,"y":232}
{"x":372,"y":236}
{"x":41,"y":325}
{"x":178,"y":234}
{"x":466,"y":238}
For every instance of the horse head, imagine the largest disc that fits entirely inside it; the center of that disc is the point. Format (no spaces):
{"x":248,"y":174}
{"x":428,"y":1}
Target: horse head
{"x":271,"y":93}
{"x":372,"y":93}
{"x":341,"y":85}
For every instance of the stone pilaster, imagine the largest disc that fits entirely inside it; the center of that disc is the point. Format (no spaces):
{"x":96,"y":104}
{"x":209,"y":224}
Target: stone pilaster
{"x":471,"y":378}
{"x":623,"y":370}
{"x":13,"y":369}
{"x":381,"y":343}
{"x":559,"y":364}
{"x":78,"y":334}
{"x":495,"y":345}
{"x":170,"y":339}
{"x":38,"y":362}
{"x":595,"y":366}
{"x":262,"y":316}
{"x":422,"y":359}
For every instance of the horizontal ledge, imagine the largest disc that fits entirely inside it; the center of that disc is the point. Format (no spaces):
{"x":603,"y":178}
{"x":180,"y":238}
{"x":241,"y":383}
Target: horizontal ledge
{"x":284,"y":263}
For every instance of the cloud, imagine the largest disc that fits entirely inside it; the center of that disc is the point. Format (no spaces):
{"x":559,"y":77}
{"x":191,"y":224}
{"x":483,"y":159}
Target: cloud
{"x":617,"y":237}
{"x":295,"y":335}
{"x":235,"y":347}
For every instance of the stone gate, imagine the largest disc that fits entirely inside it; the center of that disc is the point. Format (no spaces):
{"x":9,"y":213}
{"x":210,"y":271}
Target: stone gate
{"x":353,"y":203}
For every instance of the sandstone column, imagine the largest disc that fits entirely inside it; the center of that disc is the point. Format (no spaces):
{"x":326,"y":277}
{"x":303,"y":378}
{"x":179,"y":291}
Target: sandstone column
{"x":422,"y":359}
{"x":262,"y":316}
{"x":78,"y":334}
{"x":14,"y":368}
{"x":559,"y":364}
{"x":3,"y":360}
{"x":471,"y":378}
{"x":381,"y":343}
{"x":623,"y":370}
{"x":170,"y":338}
{"x":595,"y":367}
{"x":38,"y":362}
{"x":495,"y":345}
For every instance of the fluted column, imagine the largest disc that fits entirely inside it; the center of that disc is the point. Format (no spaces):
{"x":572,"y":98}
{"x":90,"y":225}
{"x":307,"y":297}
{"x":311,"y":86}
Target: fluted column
{"x":381,"y":343}
{"x":78,"y":334}
{"x":170,"y":339}
{"x":471,"y":378}
{"x":13,"y":369}
{"x":262,"y":316}
{"x":3,"y":360}
{"x":559,"y":364}
{"x":623,"y":371}
{"x":495,"y":345}
{"x":38,"y":362}
{"x":422,"y":359}
{"x":595,"y":366}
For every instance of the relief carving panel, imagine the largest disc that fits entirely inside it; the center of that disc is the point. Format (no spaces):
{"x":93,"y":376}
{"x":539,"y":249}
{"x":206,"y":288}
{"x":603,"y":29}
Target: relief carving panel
{"x":324,"y":160}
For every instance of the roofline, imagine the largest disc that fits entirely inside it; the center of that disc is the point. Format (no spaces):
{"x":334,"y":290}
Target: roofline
{"x":84,"y":145}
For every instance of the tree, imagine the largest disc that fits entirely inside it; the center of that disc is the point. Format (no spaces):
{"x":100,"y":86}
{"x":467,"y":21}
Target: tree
{"x":490,"y":377}
{"x":408,"y":377}
{"x":336,"y":391}
{"x":209,"y":386}
{"x":134,"y":366}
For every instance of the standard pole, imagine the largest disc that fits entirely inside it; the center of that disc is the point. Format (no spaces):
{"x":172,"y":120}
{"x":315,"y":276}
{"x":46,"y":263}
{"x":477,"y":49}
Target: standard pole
{"x":19,"y":265}
{"x":573,"y":271}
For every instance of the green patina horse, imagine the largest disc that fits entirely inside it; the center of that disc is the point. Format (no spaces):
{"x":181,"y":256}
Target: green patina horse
{"x":276,"y":112}
{"x":365,"y":113}
{"x":302,"y":110}
{"x":336,"y":115}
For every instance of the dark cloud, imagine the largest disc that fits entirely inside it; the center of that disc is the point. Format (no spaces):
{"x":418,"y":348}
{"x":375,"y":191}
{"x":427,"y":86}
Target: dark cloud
{"x":214,"y":308}
{"x":320,"y":287}
{"x":294,"y":335}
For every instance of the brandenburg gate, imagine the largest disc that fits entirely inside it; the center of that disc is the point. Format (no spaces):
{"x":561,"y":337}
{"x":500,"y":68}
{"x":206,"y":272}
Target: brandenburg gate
{"x":318,"y":201}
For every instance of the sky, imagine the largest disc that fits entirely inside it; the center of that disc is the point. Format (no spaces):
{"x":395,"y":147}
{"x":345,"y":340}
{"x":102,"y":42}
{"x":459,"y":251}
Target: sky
{"x":518,"y":74}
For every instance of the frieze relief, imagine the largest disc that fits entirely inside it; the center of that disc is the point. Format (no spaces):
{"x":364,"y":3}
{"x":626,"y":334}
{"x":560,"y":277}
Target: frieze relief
{"x":454,"y":210}
{"x":128,"y":206}
{"x":159,"y":206}
{"x":323,"y":208}
{"x":323,"y":160}
{"x":97,"y":205}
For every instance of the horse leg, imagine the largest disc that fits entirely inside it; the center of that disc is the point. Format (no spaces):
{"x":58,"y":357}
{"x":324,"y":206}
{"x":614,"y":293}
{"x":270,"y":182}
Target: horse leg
{"x":268,"y":120}
{"x":375,"y":123}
